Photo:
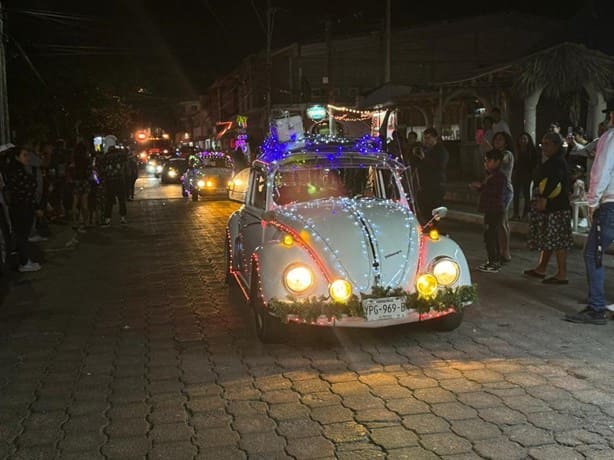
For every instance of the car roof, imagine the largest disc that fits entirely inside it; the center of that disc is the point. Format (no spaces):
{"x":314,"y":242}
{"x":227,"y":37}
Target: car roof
{"x":325,"y":150}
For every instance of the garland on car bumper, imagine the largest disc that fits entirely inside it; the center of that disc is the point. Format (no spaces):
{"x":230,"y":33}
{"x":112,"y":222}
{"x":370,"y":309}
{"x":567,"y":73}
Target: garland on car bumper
{"x":312,"y":308}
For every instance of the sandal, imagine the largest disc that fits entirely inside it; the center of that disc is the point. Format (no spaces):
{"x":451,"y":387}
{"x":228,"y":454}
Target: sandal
{"x":532,"y":273}
{"x":553,"y":280}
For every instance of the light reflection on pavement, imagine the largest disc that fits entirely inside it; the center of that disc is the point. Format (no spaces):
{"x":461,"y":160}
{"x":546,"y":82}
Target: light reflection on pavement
{"x":149,"y":187}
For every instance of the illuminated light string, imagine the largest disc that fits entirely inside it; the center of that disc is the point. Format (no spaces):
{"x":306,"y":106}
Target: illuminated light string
{"x":272,"y":150}
{"x":347,"y":207}
{"x":350,"y":110}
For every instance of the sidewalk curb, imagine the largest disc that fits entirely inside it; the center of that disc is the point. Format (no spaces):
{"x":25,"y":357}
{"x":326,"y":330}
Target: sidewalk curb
{"x":518,"y":228}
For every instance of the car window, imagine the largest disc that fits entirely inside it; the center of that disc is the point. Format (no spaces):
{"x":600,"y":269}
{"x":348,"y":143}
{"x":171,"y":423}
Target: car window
{"x":216,"y":163}
{"x":260,"y":190}
{"x":306,"y":184}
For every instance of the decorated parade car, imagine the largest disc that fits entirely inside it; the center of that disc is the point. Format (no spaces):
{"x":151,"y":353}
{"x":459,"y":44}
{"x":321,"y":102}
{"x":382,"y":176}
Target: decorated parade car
{"x":208,"y":173}
{"x":327,"y":236}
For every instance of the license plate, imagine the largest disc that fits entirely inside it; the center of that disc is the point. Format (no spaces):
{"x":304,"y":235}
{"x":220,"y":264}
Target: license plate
{"x":384,"y":308}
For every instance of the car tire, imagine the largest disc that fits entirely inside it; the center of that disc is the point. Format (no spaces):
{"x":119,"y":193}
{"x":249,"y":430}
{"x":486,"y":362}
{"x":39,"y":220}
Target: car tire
{"x":268,"y":328}
{"x":447,"y":323}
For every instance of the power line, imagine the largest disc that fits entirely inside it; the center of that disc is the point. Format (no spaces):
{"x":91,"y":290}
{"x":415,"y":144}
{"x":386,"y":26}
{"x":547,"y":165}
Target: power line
{"x":56,"y":15}
{"x":215,"y":16}
{"x":260,"y":21}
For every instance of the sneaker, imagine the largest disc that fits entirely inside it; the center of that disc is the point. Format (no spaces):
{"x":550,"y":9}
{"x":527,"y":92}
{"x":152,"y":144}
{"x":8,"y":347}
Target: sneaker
{"x":29,"y":267}
{"x":587,"y":316}
{"x":36,"y":239}
{"x":106,"y":223}
{"x":122,"y":220}
{"x":81,"y":230}
{"x":489,"y":267}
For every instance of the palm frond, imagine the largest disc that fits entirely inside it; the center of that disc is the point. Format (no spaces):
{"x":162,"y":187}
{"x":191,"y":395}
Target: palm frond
{"x":564,"y":68}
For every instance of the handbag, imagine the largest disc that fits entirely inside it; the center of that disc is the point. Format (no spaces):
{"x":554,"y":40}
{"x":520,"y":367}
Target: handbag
{"x":540,"y":203}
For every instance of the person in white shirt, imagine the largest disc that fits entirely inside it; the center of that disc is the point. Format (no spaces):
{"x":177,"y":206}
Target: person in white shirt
{"x":600,"y":200}
{"x":588,"y":150}
{"x":499,"y":124}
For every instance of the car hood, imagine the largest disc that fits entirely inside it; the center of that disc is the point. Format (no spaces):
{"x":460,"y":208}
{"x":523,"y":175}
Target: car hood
{"x":215,"y":172}
{"x":364,"y":240}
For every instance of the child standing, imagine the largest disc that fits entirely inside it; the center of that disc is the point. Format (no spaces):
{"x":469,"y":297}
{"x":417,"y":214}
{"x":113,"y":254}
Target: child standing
{"x":578,"y":193}
{"x":495,"y":195}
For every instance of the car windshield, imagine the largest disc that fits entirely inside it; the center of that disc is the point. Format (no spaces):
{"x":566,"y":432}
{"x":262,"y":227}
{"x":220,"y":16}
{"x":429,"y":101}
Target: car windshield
{"x":300,"y":184}
{"x":216,"y":163}
{"x":178,"y":164}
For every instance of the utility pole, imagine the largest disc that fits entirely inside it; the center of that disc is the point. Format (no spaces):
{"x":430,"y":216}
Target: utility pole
{"x":268,"y":71}
{"x":329,"y":72}
{"x":387,"y":33}
{"x":5,"y":132}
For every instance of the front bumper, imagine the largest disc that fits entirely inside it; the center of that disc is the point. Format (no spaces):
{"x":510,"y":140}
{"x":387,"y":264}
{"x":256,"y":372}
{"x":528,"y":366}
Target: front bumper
{"x":358,"y":322}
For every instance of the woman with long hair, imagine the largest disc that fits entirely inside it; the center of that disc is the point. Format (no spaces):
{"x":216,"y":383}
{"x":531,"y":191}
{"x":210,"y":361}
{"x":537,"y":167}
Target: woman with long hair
{"x":526,"y":160}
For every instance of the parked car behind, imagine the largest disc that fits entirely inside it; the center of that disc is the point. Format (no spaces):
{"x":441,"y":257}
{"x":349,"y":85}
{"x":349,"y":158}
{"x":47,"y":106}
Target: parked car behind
{"x":210,"y":176}
{"x":173,"y":170}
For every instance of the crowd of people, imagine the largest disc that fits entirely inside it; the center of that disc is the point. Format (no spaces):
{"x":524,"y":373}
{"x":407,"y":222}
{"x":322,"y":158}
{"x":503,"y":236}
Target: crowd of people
{"x":548,"y":178}
{"x":45,"y":183}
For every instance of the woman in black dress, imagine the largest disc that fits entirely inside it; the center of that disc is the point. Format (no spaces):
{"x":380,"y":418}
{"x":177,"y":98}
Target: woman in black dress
{"x":550,"y":217}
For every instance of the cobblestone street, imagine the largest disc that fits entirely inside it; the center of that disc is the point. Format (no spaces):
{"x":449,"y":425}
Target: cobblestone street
{"x":128,"y":347}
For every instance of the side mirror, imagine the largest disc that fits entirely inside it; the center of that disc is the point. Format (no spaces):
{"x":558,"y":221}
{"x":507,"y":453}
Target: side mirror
{"x":439,"y":213}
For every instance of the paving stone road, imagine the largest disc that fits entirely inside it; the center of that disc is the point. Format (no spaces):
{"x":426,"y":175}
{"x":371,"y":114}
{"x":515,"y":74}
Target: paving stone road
{"x":128,"y":347}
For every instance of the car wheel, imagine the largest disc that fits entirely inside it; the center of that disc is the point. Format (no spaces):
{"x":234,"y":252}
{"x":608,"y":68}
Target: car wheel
{"x":268,"y":328}
{"x":447,"y":323}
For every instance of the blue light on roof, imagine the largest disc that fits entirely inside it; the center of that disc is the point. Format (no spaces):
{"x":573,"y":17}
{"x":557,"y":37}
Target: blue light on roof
{"x":334,"y":146}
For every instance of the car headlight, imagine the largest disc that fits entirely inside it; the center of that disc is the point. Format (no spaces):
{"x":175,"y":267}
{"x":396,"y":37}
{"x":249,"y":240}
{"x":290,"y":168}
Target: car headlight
{"x":209,"y":184}
{"x":298,"y":278}
{"x":340,"y":290}
{"x":446,"y":271}
{"x":172,"y":173}
{"x":427,"y":285}
{"x":200,"y":183}
{"x":159,"y":168}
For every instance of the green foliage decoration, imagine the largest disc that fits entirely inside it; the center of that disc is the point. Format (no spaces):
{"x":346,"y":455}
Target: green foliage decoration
{"x":313,"y":307}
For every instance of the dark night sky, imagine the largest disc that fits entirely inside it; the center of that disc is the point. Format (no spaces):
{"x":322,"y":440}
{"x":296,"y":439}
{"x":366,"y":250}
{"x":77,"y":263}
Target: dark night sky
{"x":187,"y":43}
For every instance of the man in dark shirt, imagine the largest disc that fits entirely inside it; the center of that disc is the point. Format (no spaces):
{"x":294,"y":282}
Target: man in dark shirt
{"x":114,"y":166}
{"x":431,"y":162}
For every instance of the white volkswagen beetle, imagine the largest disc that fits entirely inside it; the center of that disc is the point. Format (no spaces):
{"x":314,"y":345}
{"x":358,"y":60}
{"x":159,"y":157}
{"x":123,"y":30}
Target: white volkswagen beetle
{"x":327,"y":236}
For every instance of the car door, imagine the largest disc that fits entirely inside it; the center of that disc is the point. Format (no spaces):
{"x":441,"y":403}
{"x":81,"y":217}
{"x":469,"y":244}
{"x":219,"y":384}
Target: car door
{"x":252,"y":230}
